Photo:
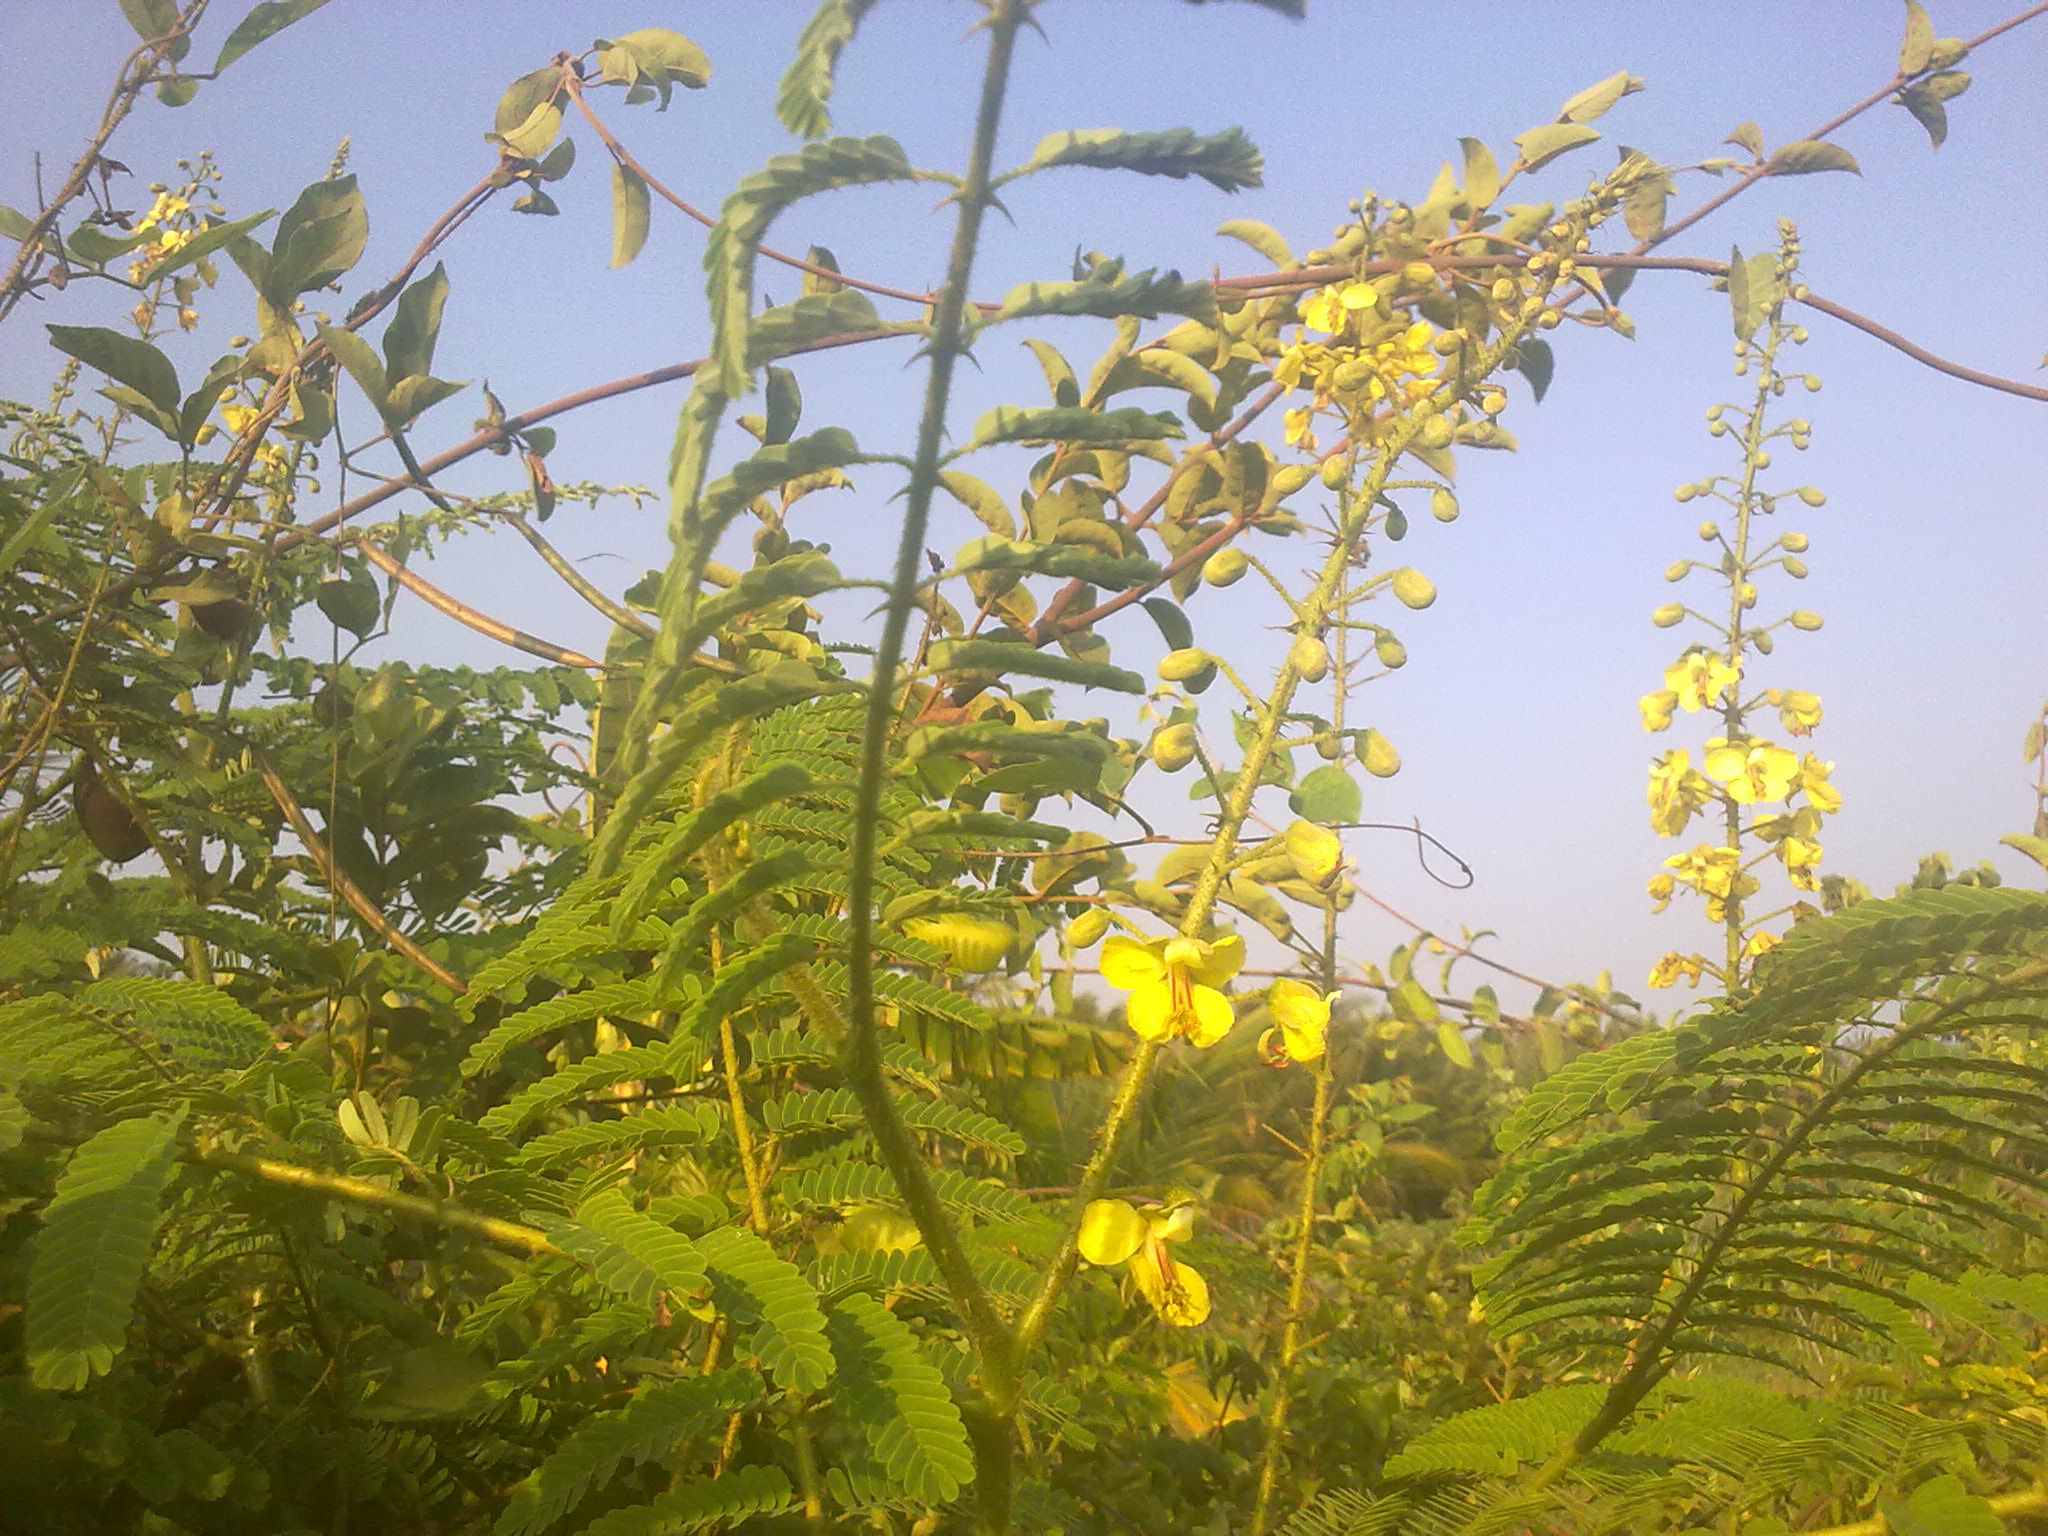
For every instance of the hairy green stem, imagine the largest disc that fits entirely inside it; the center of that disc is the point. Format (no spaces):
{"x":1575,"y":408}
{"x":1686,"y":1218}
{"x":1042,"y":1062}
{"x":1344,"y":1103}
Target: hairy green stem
{"x":861,"y":1054}
{"x":1304,"y":1242}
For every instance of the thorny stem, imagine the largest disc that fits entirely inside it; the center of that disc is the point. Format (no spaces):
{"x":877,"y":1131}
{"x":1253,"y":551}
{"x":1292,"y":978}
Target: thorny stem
{"x":861,"y":1053}
{"x":1304,"y":1246}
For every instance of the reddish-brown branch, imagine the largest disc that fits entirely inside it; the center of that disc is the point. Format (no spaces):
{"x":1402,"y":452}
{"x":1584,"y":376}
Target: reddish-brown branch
{"x":482,"y":623}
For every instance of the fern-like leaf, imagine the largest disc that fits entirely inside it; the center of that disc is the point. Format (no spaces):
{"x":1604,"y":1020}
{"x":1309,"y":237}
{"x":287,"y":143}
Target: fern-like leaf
{"x":751,"y":1279}
{"x":94,"y":1244}
{"x":632,"y":1255}
{"x":899,"y":1401}
{"x":735,"y":1496}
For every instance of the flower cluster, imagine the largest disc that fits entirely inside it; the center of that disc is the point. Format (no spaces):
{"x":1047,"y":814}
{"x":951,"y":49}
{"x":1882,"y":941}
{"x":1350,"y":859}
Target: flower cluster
{"x":1370,"y":358}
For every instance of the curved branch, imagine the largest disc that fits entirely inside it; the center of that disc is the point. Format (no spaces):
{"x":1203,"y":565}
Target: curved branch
{"x":462,"y":613}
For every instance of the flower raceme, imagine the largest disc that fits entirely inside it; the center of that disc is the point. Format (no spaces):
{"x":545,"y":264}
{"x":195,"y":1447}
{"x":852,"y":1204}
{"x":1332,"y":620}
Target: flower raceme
{"x":1175,"y":985}
{"x":1116,"y":1232}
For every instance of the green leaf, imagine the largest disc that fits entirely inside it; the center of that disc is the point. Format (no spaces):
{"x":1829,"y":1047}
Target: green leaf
{"x":1925,"y":98}
{"x":1540,"y":146}
{"x":1747,"y":135}
{"x":666,"y":58}
{"x":982,"y":499}
{"x":635,"y":1257}
{"x":629,"y":213}
{"x":776,"y":464}
{"x":88,"y":1258}
{"x":1226,"y":160}
{"x":1596,"y":99}
{"x":1071,"y":424}
{"x":1059,"y":373}
{"x":1328,"y":795}
{"x":1173,"y":624}
{"x":411,"y":397}
{"x":732,"y":249}
{"x":1451,"y":1040}
{"x":355,"y":355}
{"x":1942,"y":1506}
{"x":1004,"y":656}
{"x":145,"y":409}
{"x":1537,"y":363}
{"x":523,"y":98}
{"x":204,"y":243}
{"x":750,"y":1278}
{"x":1412,"y":1004}
{"x":789,"y":328}
{"x":1806,"y":156}
{"x":726,"y":1501}
{"x":415,"y":326}
{"x":14,"y":224}
{"x":351,"y":602}
{"x":784,"y":406}
{"x":900,"y":1401}
{"x":1482,"y":174}
{"x":263,"y":22}
{"x":806,"y":90}
{"x":1107,"y":293}
{"x":1263,"y":238}
{"x":1918,"y":46}
{"x":321,"y":236}
{"x":126,"y":359}
{"x":153,"y":19}
{"x":194,"y":1024}
{"x":2035,"y":848}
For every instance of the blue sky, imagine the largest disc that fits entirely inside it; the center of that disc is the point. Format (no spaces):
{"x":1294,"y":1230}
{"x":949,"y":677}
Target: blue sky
{"x":1516,"y":714}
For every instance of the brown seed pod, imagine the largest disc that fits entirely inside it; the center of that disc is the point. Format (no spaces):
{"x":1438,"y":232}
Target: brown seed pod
{"x":110,"y":824}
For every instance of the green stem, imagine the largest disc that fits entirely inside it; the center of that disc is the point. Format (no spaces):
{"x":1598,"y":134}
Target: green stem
{"x":1304,"y":1247}
{"x":861,"y":1054}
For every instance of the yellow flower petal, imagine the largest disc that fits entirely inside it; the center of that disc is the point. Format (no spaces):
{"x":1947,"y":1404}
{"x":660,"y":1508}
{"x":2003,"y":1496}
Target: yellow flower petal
{"x":1150,"y":1012}
{"x":1220,"y":961}
{"x":1177,"y":1293}
{"x":1127,"y":964}
{"x":1213,"y":1016}
{"x":1111,"y":1231}
{"x":1303,"y":1015}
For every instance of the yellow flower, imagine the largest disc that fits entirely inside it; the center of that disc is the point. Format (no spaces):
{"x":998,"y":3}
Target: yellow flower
{"x":1656,"y":708}
{"x":1798,"y":712}
{"x":1700,"y":679}
{"x":168,"y":206}
{"x":1116,"y":1232}
{"x":1299,"y":434}
{"x":1820,"y":794}
{"x":1675,"y":792}
{"x":1760,"y":943}
{"x":1330,"y":309}
{"x":1301,"y":1020}
{"x":1293,"y":363}
{"x":1667,"y":971}
{"x":1174,"y":985}
{"x":1661,"y":887}
{"x":1752,"y":771}
{"x":1802,"y":858}
{"x":1709,"y":870}
{"x":236,"y":418}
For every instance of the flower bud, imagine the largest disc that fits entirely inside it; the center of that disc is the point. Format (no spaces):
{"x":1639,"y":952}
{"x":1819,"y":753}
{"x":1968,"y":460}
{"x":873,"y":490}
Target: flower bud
{"x":1797,"y":543}
{"x":1795,"y":568}
{"x":1668,"y":615}
{"x":1709,"y":532}
{"x":1390,"y":652}
{"x":1193,"y":666}
{"x":1676,"y":570}
{"x":1310,"y":658}
{"x":1173,"y":747}
{"x":1436,"y":433}
{"x":1443,"y":505}
{"x":1811,"y":496}
{"x":1377,"y":754}
{"x":1225,"y":567}
{"x":1087,"y":928}
{"x":1806,"y":619}
{"x":1333,"y":473}
{"x":1413,"y":589}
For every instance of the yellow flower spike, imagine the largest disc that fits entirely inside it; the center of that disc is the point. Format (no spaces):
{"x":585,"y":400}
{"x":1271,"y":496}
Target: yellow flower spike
{"x":1316,"y":852}
{"x":1700,"y":679}
{"x":1301,"y":1019}
{"x":1657,"y":708}
{"x":1820,"y":794}
{"x":1753,"y":771}
{"x":1115,"y":1232}
{"x":1174,"y":985}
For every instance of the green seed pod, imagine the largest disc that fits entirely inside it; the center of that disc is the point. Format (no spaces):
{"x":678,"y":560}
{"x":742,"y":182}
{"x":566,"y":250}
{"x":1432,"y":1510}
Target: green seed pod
{"x":1806,"y":619}
{"x":1311,"y":658}
{"x":1392,"y":653}
{"x":1412,"y":588}
{"x":1396,"y":525}
{"x":1173,"y":747}
{"x":1333,"y":473}
{"x":1443,"y":505}
{"x":1796,"y":543}
{"x":1436,"y":433}
{"x":1193,"y":666}
{"x":1377,"y":754}
{"x":1668,"y":615}
{"x":1225,"y":567}
{"x":1084,"y":930}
